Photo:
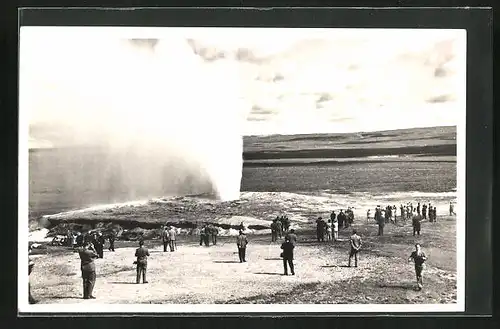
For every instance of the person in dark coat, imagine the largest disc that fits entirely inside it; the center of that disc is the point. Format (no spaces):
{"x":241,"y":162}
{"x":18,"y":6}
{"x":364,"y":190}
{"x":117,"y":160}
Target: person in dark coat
{"x":287,"y":255}
{"x":274,"y":231}
{"x":341,"y":218}
{"x":142,"y":254}
{"x":279,"y":227}
{"x":380,"y":221}
{"x":202,"y":235}
{"x":241,"y":242}
{"x":100,"y":243}
{"x":87,"y":255}
{"x":213,"y":233}
{"x":111,"y":239}
{"x":419,"y":258}
{"x":416,"y":224}
{"x":320,"y":229}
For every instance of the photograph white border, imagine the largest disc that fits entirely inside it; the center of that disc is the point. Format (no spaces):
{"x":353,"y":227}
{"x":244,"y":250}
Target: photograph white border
{"x":159,"y":32}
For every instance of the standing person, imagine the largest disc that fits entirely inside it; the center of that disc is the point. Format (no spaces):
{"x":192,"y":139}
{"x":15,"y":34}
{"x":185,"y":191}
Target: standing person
{"x":274,"y":231}
{"x":335,"y":230}
{"x":111,"y":241}
{"x":172,"y":237}
{"x":395,"y":211}
{"x":241,"y":242}
{"x":452,"y":210}
{"x":416,"y":223}
{"x":202,"y":235}
{"x":380,"y":221}
{"x":165,"y":237}
{"x":286,"y":223}
{"x":142,"y":254}
{"x":402,"y":212}
{"x":341,"y":219}
{"x":368,"y":215}
{"x":100,"y":242}
{"x":419,"y":258}
{"x":87,"y":255}
{"x":320,"y":229}
{"x":287,"y":255}
{"x":333,"y":216}
{"x":424,"y":211}
{"x":418,"y":208}
{"x":214,"y":232}
{"x":355,"y":242}
{"x":279,"y":227}
{"x":329,"y":230}
{"x":434,"y":215}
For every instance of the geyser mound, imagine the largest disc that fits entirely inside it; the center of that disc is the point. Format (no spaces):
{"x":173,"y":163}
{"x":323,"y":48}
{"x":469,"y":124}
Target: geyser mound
{"x":138,"y":118}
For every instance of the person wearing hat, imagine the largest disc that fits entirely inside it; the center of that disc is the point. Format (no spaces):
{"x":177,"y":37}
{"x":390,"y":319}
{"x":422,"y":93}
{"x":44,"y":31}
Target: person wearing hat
{"x":172,"y":235}
{"x":87,"y":255}
{"x":142,"y":254}
{"x":241,"y":242}
{"x":419,"y":258}
{"x":287,"y":255}
{"x":320,"y":229}
{"x":100,"y":244}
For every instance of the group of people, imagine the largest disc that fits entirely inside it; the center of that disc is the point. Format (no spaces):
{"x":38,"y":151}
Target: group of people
{"x":168,"y":237}
{"x":208,"y":231}
{"x":279,"y":226}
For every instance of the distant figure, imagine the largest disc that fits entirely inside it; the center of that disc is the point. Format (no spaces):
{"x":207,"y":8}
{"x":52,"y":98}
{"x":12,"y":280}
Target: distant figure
{"x":335,"y":227}
{"x":394,"y":210}
{"x":79,"y":240}
{"x":172,"y":237}
{"x":333,"y":216}
{"x":142,"y":254}
{"x":279,"y":227}
{"x":434,"y":216}
{"x":241,"y":242}
{"x":416,"y":223}
{"x":355,"y":242}
{"x":287,"y":255}
{"x":31,"y":265}
{"x":69,"y":238}
{"x":368,"y":215}
{"x":165,"y":237}
{"x":341,"y":218}
{"x":329,"y":230}
{"x":419,"y":258}
{"x":350,"y":217}
{"x":380,"y":221}
{"x":402,"y":212}
{"x":213,"y":233}
{"x":424,"y":211}
{"x":274,"y":231}
{"x":87,"y":255}
{"x":111,"y":239}
{"x":320,"y":229}
{"x":418,"y":208}
{"x":202,"y":235}
{"x":292,"y":236}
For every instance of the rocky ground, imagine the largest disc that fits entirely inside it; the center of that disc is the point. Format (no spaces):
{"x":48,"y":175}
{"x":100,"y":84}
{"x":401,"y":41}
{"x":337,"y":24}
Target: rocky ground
{"x":195,"y":274}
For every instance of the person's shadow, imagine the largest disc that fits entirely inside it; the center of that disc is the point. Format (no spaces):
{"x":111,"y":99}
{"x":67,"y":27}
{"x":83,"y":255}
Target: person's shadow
{"x":268,"y":273}
{"x":397,"y":286}
{"x":225,"y":261}
{"x":123,"y":282}
{"x":327,"y":266}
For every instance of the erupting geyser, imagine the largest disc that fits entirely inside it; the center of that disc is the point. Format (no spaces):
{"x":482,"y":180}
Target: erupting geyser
{"x":138,"y":118}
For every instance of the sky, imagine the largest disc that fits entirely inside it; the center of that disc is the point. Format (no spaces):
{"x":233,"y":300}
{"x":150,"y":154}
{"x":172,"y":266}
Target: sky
{"x":290,"y":81}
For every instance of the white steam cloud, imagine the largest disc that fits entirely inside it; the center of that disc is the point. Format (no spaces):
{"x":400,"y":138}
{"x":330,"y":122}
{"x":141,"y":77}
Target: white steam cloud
{"x":166,"y":121}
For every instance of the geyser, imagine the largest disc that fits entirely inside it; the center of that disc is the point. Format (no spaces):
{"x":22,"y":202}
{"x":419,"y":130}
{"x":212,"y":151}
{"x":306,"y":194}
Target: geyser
{"x":131,"y":118}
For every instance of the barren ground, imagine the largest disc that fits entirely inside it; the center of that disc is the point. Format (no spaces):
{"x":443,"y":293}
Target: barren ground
{"x":195,"y":274}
